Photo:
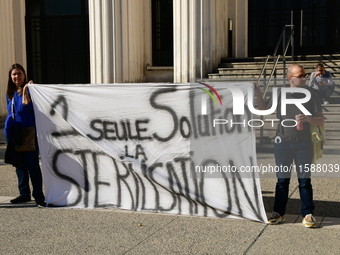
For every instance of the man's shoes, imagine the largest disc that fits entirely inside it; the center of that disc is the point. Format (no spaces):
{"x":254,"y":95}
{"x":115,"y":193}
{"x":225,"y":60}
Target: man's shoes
{"x":276,"y":219}
{"x":20,"y":199}
{"x":309,"y":221}
{"x":40,"y":203}
{"x":326,"y":102}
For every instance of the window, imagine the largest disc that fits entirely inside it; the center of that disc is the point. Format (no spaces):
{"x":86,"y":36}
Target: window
{"x":57,"y":41}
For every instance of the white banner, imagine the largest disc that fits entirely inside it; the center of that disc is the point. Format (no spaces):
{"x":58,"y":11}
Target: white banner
{"x":147,"y":147}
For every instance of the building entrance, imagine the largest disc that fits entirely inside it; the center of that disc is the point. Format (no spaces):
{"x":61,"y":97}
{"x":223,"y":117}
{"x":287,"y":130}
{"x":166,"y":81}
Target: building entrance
{"x":316,"y":26}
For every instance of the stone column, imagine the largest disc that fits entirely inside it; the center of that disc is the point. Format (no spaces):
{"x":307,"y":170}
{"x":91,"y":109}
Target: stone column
{"x":200,"y":37}
{"x":238,"y":13}
{"x":12,"y":41}
{"x":118,"y":32}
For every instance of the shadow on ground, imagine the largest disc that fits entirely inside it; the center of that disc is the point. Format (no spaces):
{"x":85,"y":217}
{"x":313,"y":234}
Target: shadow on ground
{"x":322,"y":208}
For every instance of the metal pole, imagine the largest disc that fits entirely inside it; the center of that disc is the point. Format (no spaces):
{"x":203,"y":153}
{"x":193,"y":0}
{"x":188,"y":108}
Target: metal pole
{"x":261,"y":117}
{"x":292,"y":32}
{"x":284,"y":58}
{"x":263,"y":68}
{"x":261,"y":131}
{"x":264,"y":80}
{"x":202,"y":30}
{"x":301,"y":28}
{"x":271,"y":75}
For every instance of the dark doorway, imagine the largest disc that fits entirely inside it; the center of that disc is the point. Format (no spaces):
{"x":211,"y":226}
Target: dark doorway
{"x":57,"y":40}
{"x":162,"y":33}
{"x":316,"y":23}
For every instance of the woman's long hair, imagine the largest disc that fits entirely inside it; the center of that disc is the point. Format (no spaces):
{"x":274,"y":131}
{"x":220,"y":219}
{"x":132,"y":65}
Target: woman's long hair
{"x":11,"y":87}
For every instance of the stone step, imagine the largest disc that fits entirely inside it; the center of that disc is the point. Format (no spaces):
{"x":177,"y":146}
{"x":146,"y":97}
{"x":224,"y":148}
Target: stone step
{"x":333,"y":65}
{"x":269,"y":121}
{"x":334,"y":102}
{"x":274,"y":82}
{"x":330,"y":133}
{"x":330,"y":108}
{"x":330,"y":124}
{"x":279,"y":80}
{"x":268,"y":127}
{"x":329,"y":114}
{"x":297,"y":58}
{"x":327,"y":150}
{"x":252,"y":74}
{"x":253,"y":69}
{"x":330,"y":141}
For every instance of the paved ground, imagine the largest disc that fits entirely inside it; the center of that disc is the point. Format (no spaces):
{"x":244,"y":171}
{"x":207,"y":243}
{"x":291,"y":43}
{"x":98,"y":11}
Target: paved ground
{"x":26,"y":229}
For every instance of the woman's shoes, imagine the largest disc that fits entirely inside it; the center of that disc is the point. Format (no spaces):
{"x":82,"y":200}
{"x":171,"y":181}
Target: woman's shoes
{"x":20,"y":199}
{"x":41,"y":203}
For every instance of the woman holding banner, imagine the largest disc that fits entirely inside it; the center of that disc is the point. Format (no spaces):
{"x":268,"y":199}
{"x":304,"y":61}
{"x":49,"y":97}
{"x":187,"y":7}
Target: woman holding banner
{"x":22,"y":147}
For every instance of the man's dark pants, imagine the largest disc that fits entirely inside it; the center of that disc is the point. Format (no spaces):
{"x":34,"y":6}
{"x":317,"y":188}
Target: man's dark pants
{"x":301,"y":152}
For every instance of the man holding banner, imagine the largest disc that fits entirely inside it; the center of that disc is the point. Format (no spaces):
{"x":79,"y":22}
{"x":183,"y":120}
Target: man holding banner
{"x":293,"y":143}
